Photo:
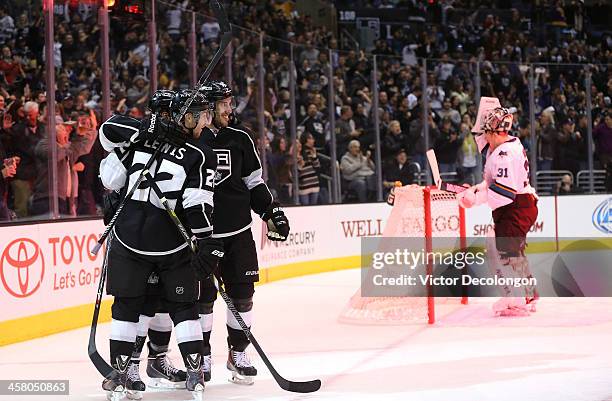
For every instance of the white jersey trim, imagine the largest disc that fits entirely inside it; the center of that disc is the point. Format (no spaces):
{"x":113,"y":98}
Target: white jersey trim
{"x":183,"y":245}
{"x":254,"y":179}
{"x":196,"y":196}
{"x":201,"y":230}
{"x":201,"y":164}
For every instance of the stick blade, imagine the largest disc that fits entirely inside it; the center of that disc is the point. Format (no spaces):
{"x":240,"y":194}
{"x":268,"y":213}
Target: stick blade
{"x":100,"y":364}
{"x":433,"y":166}
{"x":301,"y":387}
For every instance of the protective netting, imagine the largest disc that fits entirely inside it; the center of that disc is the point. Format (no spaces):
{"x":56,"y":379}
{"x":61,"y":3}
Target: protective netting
{"x":407,"y":219}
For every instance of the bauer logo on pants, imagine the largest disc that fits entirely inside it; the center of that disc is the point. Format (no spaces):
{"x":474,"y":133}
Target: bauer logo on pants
{"x":224,"y":165}
{"x":180,"y":290}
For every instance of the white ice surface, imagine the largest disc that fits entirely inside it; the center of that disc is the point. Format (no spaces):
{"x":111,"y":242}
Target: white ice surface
{"x":562,"y":352}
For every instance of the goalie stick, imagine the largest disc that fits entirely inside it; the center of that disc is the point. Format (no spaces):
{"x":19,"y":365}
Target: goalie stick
{"x":296,"y":387}
{"x":100,"y":364}
{"x":435,"y":172}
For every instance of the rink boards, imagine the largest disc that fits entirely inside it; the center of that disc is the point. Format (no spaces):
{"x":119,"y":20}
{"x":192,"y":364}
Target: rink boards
{"x":48,"y":278}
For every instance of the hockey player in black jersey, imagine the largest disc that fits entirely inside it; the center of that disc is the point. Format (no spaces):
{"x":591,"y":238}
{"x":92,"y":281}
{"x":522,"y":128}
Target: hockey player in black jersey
{"x":239,"y":188}
{"x":154,"y":320}
{"x":145,"y":241}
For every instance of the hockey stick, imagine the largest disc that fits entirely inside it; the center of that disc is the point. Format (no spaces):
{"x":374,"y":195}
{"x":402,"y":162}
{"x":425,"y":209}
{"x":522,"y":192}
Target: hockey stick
{"x":100,"y":364}
{"x":226,"y":37}
{"x":435,"y":172}
{"x":296,"y":387}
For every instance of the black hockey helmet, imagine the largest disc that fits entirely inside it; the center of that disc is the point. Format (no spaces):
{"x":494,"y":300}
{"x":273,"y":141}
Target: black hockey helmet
{"x":217,"y":90}
{"x":200,"y":103}
{"x":160,"y":101}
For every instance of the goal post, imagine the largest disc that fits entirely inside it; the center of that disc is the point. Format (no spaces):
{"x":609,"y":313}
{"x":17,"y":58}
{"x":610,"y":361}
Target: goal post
{"x":418,"y":212}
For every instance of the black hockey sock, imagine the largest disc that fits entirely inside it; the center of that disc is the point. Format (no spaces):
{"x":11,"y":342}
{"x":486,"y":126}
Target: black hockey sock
{"x":206,"y":343}
{"x":138,"y":345}
{"x":188,"y":351}
{"x":120,"y":351}
{"x":158,"y":342}
{"x":237,"y":339}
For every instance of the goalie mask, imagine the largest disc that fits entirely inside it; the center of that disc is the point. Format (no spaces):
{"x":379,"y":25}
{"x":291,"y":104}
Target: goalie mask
{"x":497,"y":121}
{"x":192,"y":115}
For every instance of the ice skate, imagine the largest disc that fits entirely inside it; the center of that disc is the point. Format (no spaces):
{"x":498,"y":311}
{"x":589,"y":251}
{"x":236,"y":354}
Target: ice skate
{"x":243,"y":372}
{"x":115,"y":387}
{"x":134,"y":384}
{"x":207,"y":367}
{"x":162,"y":373}
{"x":195,"y":377}
{"x":510,"y":306}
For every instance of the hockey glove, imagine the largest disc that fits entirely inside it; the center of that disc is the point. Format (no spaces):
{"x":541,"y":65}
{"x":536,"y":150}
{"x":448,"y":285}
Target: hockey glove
{"x":278,"y":225}
{"x":155,"y":128}
{"x":207,"y":256}
{"x":149,"y":129}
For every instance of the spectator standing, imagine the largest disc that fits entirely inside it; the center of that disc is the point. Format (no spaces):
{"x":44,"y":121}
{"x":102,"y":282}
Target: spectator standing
{"x":67,"y":179}
{"x":9,"y":168}
{"x":87,"y":167}
{"x":314,"y":126}
{"x":358,"y":171}
{"x":603,"y":140}
{"x":571,"y":147}
{"x":139,"y":92}
{"x":308,"y":170}
{"x":394,"y":141}
{"x":345,"y":129}
{"x":446,"y":146}
{"x":547,"y":142}
{"x":280,"y":163}
{"x":22,"y":140}
{"x":7,"y":26}
{"x":398,"y":169}
{"x":448,"y":112}
{"x":467,"y":157}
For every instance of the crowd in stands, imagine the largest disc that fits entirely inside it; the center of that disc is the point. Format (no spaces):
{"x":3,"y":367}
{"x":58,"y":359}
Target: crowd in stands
{"x":451,"y":38}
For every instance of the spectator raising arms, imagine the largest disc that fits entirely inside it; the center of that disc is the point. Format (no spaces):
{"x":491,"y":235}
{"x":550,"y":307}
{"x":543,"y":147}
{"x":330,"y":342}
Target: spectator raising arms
{"x":68,"y":151}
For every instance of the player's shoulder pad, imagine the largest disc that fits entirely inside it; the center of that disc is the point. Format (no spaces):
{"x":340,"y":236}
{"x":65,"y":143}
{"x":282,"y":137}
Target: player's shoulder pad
{"x":243,"y":130}
{"x":118,"y":119}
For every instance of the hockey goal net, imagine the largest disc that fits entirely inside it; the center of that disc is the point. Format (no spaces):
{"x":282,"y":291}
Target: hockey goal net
{"x":418,"y":212}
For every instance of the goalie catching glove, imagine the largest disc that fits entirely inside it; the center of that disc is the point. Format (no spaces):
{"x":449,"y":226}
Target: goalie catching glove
{"x":278,"y":225}
{"x":206,"y":258}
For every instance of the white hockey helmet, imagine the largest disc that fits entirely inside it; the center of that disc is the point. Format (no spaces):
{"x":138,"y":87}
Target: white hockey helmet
{"x":497,"y":120}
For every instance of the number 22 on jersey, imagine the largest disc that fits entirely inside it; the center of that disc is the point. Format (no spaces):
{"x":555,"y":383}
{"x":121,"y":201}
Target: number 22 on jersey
{"x":170,"y":177}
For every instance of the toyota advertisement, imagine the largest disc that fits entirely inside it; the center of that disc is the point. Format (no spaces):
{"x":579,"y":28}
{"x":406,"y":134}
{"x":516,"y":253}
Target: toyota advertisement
{"x":46,"y":267}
